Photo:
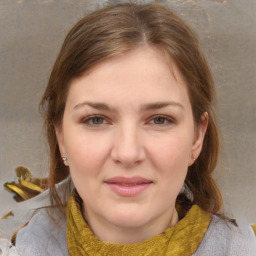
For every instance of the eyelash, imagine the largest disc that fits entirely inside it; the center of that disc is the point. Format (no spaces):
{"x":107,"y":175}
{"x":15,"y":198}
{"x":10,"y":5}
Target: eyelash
{"x":168,"y":120}
{"x":87,"y":121}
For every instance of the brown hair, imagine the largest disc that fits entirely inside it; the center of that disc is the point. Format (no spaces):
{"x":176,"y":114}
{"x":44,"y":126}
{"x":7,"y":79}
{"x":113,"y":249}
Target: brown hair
{"x":112,"y":31}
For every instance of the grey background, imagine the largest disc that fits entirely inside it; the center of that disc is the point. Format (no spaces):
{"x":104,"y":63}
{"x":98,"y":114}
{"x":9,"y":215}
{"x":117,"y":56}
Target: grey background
{"x":31,"y":33}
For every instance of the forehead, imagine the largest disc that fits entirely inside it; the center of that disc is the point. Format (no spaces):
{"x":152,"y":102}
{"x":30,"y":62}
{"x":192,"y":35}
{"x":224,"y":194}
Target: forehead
{"x":138,"y":76}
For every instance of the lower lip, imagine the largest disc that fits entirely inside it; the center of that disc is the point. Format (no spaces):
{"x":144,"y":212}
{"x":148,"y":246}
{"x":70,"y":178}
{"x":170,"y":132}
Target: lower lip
{"x":128,"y":191}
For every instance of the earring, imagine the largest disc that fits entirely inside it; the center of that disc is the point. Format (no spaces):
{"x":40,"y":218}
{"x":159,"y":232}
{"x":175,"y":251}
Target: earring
{"x":193,"y":158}
{"x":65,"y":159}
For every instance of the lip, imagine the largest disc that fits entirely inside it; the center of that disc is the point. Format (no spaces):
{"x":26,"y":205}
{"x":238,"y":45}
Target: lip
{"x":128,"y":187}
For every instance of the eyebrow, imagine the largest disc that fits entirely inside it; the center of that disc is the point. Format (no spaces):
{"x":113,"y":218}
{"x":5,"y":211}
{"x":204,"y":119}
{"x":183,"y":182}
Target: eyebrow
{"x":144,"y":107}
{"x":159,"y":105}
{"x":96,"y":105}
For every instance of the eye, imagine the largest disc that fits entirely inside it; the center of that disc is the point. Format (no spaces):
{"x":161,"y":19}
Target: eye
{"x":95,"y":121}
{"x":161,"y":120}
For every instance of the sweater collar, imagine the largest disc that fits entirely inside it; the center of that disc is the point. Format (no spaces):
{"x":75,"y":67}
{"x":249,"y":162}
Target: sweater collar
{"x":182,"y":239}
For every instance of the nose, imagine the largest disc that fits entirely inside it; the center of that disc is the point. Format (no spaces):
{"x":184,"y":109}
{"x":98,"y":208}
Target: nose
{"x":128,"y":149}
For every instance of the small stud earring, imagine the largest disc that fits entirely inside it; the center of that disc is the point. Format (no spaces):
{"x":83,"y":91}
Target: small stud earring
{"x":65,"y":159}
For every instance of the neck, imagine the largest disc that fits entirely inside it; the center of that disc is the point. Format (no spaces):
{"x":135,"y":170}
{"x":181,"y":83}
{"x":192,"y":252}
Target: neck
{"x":125,"y":234}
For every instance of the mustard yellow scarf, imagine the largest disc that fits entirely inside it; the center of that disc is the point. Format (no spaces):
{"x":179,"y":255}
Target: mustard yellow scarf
{"x":182,"y":239}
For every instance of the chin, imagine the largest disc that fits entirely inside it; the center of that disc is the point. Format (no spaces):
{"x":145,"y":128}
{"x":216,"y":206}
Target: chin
{"x":129,"y":218}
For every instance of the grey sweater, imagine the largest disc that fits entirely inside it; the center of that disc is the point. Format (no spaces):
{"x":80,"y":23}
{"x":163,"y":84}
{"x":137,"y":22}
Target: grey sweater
{"x":43,"y":236}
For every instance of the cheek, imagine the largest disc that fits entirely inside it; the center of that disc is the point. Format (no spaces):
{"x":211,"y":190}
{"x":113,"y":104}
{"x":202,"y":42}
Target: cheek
{"x":86,"y":154}
{"x":172,"y":164}
{"x":87,"y":157}
{"x":171,"y":160}
{"x":172,"y":152}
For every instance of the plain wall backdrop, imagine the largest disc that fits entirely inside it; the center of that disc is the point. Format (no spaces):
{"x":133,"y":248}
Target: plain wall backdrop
{"x":31,"y":33}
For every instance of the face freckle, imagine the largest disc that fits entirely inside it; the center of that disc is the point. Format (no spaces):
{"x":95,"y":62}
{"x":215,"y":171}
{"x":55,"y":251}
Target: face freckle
{"x":128,"y":134}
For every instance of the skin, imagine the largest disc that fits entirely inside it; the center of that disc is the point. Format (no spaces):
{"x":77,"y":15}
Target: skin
{"x":130,"y":136}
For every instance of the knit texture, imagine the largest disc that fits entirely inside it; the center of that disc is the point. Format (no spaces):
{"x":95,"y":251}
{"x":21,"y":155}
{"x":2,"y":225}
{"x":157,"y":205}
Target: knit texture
{"x":182,"y":239}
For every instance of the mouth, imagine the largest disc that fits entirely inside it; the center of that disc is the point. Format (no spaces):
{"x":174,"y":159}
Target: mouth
{"x":128,"y":187}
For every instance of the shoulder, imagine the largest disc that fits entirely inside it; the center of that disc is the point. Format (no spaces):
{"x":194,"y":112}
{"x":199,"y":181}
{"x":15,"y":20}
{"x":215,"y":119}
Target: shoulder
{"x":44,"y":235}
{"x":225,"y":238}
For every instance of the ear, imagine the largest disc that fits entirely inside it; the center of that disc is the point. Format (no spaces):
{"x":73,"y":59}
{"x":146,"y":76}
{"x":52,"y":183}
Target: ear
{"x":61,"y":144}
{"x":200,"y":131}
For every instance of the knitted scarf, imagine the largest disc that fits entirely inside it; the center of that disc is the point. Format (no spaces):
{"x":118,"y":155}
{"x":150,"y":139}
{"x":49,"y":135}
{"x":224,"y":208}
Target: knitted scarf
{"x":181,"y":240}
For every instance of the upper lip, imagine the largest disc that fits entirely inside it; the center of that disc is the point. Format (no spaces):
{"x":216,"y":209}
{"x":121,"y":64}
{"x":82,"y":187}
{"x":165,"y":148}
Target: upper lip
{"x":127,"y":180}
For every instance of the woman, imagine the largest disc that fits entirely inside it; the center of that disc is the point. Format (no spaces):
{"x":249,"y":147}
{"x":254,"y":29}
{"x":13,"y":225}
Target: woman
{"x":129,"y":115}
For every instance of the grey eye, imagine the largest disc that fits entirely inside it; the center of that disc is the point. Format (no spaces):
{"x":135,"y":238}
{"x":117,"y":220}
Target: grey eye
{"x":159,"y":120}
{"x":97,"y":120}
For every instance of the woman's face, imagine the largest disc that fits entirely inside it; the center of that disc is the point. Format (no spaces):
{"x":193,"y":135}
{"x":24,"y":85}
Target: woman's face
{"x":129,"y":137}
